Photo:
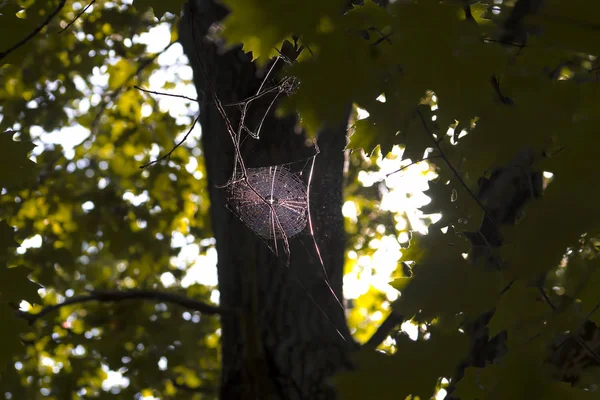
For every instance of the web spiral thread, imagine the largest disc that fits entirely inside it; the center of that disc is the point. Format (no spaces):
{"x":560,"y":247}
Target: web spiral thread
{"x":272,"y":201}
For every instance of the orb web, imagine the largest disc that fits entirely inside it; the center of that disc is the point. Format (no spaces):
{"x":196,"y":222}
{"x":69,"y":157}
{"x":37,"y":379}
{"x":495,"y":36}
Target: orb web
{"x":272,"y":201}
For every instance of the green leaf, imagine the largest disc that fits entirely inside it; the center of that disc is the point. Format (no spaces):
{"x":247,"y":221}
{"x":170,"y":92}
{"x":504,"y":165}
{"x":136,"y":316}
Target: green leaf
{"x":12,"y":327}
{"x":522,"y":311}
{"x":456,"y":204}
{"x":362,"y":79}
{"x":414,"y":369}
{"x":538,"y":243}
{"x":14,"y":282}
{"x":14,"y":28}
{"x":444,"y":284}
{"x":160,"y":7}
{"x":590,"y":296}
{"x":573,"y":27}
{"x":16,"y":286}
{"x":16,"y":169}
{"x":7,"y":242}
{"x":522,"y":123}
{"x":388,"y":124}
{"x":452,"y":60}
{"x":519,"y":375}
{"x":250,"y":22}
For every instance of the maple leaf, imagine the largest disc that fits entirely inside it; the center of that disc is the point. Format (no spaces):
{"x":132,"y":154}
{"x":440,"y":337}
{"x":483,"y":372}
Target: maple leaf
{"x":160,"y":7}
{"x":16,"y":169}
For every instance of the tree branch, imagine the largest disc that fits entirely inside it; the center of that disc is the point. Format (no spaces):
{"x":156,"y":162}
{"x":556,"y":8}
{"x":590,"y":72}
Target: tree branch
{"x":35,"y":31}
{"x":107,"y":296}
{"x":192,"y":389}
{"x":392,"y":321}
{"x":77,"y":17}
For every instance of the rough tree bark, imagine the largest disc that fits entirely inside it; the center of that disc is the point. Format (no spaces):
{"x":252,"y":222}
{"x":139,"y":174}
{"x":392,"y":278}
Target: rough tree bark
{"x":283,"y":346}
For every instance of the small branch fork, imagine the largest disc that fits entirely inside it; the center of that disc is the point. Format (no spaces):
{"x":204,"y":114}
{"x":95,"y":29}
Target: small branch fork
{"x":279,"y":88}
{"x":114,"y":296}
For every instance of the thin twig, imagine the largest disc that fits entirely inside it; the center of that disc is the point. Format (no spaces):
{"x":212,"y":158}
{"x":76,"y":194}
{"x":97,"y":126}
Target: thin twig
{"x":164,"y":157}
{"x":77,"y":17}
{"x":178,"y":96}
{"x":383,"y":38}
{"x":546,"y":298}
{"x":454,"y":171}
{"x":587,"y":347}
{"x":593,"y":311}
{"x":133,"y":294}
{"x":35,"y":31}
{"x":514,"y":44}
{"x":411,"y":164}
{"x":277,"y":88}
{"x":495,"y":81}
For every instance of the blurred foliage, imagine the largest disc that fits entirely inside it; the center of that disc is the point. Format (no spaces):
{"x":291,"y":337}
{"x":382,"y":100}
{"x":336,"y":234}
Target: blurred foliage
{"x":468,"y":84}
{"x":89,"y":218}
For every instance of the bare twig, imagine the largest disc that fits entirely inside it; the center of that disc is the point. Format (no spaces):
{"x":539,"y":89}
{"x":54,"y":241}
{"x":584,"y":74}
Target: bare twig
{"x":167,"y":155}
{"x":178,"y":96}
{"x":495,"y":81}
{"x":411,"y":164}
{"x":277,"y":88}
{"x":587,"y":348}
{"x":35,"y":31}
{"x":546,"y":298}
{"x":107,"y":296}
{"x":383,"y":37}
{"x":77,"y":17}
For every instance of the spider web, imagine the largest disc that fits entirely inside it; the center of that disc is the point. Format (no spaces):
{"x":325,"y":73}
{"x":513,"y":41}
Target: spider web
{"x":270,"y":194}
{"x":273,"y":201}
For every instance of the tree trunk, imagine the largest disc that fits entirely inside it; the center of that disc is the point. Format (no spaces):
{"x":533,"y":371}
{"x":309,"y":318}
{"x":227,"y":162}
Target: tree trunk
{"x":286,"y":341}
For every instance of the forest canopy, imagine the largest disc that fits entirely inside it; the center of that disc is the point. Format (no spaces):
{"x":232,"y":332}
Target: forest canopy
{"x":468,"y":191}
